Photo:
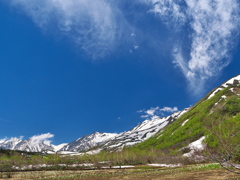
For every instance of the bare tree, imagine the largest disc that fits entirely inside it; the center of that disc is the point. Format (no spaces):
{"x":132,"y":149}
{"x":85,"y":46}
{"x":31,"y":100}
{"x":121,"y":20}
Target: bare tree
{"x":224,"y":142}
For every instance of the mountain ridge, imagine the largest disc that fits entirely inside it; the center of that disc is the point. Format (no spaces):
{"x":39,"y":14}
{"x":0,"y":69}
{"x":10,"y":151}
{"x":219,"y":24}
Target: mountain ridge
{"x":146,"y":131}
{"x":208,"y":118}
{"x":104,"y":141}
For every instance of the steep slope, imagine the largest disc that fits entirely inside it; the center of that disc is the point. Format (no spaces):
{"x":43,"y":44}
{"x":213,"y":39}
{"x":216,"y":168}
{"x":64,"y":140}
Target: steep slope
{"x":141,"y":132}
{"x":88,"y":142}
{"x":211,"y":115}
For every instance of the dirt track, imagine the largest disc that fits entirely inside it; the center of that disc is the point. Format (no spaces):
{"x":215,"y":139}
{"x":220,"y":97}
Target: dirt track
{"x":181,"y":173}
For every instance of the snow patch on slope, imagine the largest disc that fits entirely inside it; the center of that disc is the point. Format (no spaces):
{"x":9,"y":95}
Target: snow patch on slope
{"x":231,"y":81}
{"x":214,"y":92}
{"x":58,"y":147}
{"x":195,"y":146}
{"x":184,"y":122}
{"x":165,"y":165}
{"x":225,"y":85}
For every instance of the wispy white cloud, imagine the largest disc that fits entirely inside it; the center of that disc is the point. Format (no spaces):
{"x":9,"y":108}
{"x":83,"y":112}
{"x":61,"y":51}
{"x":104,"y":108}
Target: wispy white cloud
{"x":42,"y":138}
{"x":155,"y":112}
{"x":94,"y":26}
{"x":136,"y":46}
{"x":99,"y":26}
{"x":169,"y":109}
{"x":152,"y":111}
{"x":171,"y":12}
{"x":215,"y":26}
{"x":214,"y":31}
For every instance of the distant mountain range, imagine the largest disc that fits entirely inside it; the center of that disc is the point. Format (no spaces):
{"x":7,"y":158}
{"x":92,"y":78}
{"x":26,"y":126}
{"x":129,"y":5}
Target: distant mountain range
{"x":109,"y":141}
{"x":112,"y":142}
{"x":29,"y":145}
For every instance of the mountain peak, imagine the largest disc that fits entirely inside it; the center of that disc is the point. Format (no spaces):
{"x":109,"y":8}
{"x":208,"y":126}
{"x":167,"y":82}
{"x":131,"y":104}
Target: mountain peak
{"x":88,"y":142}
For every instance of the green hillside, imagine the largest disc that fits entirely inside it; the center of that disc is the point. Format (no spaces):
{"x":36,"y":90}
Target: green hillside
{"x":217,"y":118}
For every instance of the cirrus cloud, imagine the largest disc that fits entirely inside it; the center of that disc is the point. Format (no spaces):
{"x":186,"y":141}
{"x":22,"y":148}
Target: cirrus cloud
{"x":99,"y":27}
{"x":214,"y":28}
{"x":95,"y":27}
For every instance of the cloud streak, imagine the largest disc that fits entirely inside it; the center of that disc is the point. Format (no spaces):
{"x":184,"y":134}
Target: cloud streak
{"x":155,"y":112}
{"x":170,"y":11}
{"x":95,"y":27}
{"x":214,"y":28}
{"x":99,"y":27}
{"x":42,"y":138}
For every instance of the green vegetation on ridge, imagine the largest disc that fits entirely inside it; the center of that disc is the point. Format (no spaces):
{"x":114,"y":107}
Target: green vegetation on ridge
{"x":212,"y":118}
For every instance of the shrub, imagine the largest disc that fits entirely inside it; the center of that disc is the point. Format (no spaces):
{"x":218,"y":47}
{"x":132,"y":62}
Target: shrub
{"x":232,"y":106}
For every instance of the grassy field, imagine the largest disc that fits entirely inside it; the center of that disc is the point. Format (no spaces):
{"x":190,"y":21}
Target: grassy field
{"x":204,"y":171}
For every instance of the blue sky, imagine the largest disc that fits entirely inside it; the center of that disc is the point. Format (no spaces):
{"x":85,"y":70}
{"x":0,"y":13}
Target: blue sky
{"x":71,"y":68}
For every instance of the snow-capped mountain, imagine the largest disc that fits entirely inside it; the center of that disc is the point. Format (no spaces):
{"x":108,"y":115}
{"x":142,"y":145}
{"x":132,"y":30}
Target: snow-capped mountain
{"x":141,"y":132}
{"x":57,"y":148}
{"x":88,"y":142}
{"x":9,"y":143}
{"x":117,"y":141}
{"x":109,"y":141}
{"x":29,"y":146}
{"x":36,"y":143}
